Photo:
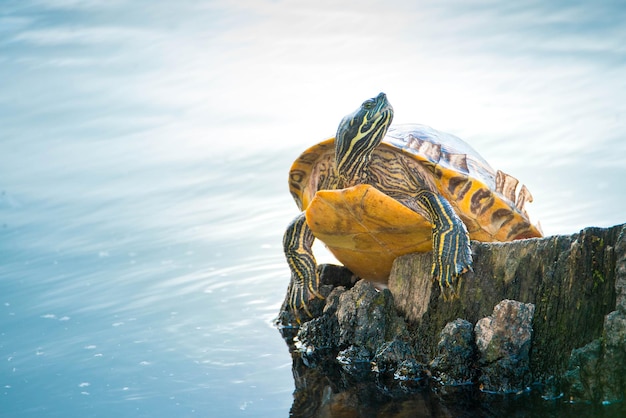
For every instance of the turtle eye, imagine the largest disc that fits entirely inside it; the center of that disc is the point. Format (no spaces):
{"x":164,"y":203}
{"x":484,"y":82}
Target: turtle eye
{"x":368,"y":104}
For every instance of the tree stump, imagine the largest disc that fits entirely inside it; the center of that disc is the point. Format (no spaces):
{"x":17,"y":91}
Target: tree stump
{"x":573,"y":281}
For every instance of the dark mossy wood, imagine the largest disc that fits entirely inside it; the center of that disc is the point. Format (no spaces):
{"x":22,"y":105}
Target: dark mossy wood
{"x":570,"y":279}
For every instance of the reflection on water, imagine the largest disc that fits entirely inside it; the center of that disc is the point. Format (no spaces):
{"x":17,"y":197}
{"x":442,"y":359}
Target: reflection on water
{"x":143,"y":157}
{"x":329,"y":391}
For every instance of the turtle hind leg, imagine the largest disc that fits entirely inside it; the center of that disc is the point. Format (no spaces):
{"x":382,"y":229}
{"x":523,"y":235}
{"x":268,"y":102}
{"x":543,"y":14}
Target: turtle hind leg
{"x":298,"y":246}
{"x":452,"y":255}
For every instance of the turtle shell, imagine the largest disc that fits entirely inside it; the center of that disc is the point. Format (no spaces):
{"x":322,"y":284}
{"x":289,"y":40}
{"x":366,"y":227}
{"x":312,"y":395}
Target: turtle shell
{"x":367,"y":230}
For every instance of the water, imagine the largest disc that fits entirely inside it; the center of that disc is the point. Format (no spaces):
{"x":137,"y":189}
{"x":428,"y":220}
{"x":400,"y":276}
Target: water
{"x":144,"y":147}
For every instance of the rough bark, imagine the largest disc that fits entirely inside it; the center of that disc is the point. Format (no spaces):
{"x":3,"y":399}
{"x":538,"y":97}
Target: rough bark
{"x":573,"y":281}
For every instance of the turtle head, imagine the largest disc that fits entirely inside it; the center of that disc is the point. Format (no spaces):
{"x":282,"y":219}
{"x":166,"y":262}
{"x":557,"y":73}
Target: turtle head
{"x":357,"y":136}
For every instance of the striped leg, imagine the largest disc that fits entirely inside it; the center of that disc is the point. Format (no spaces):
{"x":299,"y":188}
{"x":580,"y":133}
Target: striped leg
{"x":452,"y":255}
{"x":297,"y":244}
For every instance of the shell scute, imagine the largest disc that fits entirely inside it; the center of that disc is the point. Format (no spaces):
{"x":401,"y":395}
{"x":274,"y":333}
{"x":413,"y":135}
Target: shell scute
{"x":506,"y":185}
{"x":481,"y":201}
{"x":458,"y":186}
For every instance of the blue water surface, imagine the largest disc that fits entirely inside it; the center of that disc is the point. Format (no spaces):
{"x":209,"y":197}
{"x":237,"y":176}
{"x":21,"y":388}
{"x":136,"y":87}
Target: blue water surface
{"x":144,"y":150}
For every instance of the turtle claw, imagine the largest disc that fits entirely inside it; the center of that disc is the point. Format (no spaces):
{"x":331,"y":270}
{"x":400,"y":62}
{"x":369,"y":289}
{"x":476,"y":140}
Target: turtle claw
{"x":300,"y":297}
{"x":297,"y":302}
{"x":449,"y":266}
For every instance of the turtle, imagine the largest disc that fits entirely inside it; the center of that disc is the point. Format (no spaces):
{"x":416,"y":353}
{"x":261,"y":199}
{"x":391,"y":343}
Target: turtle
{"x":375,"y":192}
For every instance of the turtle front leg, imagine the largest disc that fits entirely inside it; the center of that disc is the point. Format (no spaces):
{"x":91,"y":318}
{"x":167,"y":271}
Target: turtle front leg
{"x":298,"y":246}
{"x":452,"y":255}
